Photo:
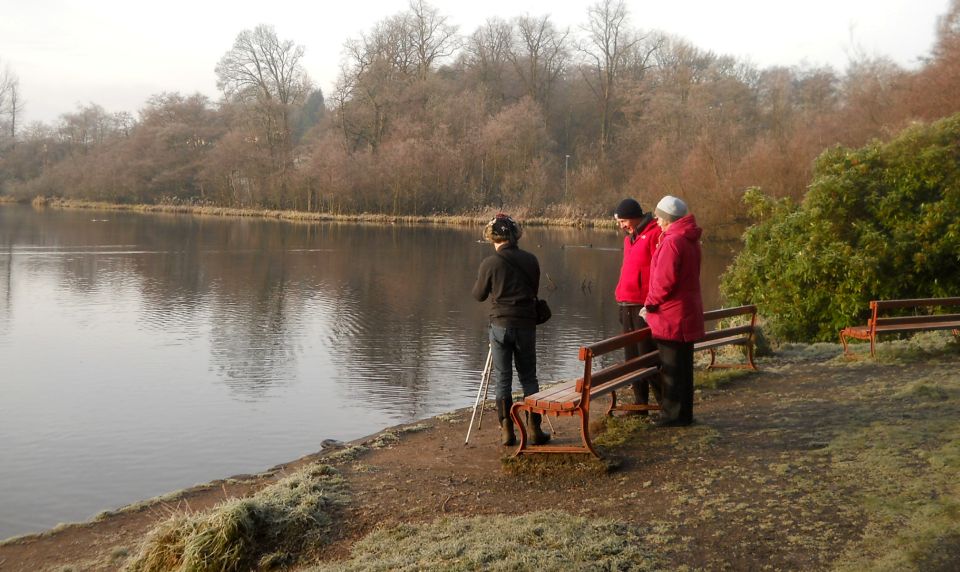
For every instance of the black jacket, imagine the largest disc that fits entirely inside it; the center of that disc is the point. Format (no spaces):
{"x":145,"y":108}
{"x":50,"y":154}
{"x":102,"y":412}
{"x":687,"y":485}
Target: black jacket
{"x":511,"y":290}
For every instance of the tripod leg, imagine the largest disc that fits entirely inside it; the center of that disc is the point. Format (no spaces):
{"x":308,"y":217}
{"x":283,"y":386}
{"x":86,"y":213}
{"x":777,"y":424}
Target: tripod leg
{"x":484,"y":380}
{"x":485,"y":385}
{"x":550,"y":423}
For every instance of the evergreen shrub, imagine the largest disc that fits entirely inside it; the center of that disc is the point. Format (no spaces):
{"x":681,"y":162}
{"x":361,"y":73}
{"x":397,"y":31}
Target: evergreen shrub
{"x":879,"y":222}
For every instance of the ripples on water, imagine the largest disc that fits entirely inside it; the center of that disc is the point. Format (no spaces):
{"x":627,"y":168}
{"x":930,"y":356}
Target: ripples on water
{"x":142,"y":354}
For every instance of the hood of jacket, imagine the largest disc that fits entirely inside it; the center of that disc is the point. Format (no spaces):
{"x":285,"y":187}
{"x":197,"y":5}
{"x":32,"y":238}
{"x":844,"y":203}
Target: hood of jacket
{"x":685,"y":227}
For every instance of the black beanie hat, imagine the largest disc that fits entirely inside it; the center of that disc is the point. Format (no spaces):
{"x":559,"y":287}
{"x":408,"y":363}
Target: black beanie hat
{"x":629,"y":208}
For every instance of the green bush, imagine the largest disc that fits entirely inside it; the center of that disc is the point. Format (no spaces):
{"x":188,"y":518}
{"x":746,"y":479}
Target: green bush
{"x":880,"y":222}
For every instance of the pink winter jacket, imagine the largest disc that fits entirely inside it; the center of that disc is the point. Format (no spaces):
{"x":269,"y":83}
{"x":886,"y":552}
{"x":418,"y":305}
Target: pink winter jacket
{"x":635,"y":271}
{"x":674,"y":305}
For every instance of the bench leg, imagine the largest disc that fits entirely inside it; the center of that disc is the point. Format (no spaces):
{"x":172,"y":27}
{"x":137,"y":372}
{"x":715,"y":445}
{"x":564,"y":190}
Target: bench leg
{"x":515,"y":415}
{"x":873,"y":352}
{"x":713,"y":358}
{"x":613,"y":404}
{"x":753,"y":366}
{"x":585,"y":432}
{"x":523,"y":449}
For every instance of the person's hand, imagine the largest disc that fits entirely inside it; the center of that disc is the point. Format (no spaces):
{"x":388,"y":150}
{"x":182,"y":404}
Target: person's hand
{"x":643,"y":312}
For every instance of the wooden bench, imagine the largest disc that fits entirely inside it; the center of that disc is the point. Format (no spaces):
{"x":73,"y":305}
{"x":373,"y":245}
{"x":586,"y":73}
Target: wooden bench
{"x":915,"y":322}
{"x":734,"y":335}
{"x":573,"y":398}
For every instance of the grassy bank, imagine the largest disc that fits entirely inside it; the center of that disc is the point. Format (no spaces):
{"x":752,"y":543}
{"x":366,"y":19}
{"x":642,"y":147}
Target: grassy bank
{"x":559,"y":216}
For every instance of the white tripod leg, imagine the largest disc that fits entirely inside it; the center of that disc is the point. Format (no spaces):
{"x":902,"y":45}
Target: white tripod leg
{"x":481,"y":392}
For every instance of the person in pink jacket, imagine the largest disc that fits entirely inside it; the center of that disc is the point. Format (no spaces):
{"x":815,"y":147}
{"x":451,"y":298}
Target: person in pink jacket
{"x":639,"y":244}
{"x":674,"y":308}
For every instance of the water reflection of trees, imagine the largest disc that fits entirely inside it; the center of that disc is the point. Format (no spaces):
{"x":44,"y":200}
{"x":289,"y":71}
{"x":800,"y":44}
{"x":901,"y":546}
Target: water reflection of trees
{"x":390,"y":306}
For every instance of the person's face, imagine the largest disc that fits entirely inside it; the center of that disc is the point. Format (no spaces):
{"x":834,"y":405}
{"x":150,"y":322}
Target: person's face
{"x":663,"y":224}
{"x":628,"y":225}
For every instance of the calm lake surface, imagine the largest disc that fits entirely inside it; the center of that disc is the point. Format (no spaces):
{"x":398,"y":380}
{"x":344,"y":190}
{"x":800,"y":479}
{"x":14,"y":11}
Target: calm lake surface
{"x":140,"y":354}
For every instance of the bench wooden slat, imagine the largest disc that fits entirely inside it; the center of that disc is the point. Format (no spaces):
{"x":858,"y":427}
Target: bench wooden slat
{"x":614,"y":343}
{"x":921,"y":319}
{"x":907,"y":303}
{"x":556,"y":389}
{"x":617,"y":370}
{"x":622,"y":381}
{"x":717,"y":342}
{"x":564,"y":401}
{"x":726,"y":333}
{"x":728,"y":312}
{"x":917,"y":326}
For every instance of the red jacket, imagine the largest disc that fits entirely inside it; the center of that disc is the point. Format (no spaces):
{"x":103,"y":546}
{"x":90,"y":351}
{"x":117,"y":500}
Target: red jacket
{"x":635,"y":271}
{"x":674,"y":305}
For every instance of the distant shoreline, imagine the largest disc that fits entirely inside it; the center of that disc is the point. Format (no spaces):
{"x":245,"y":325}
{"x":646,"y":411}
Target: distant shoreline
{"x":469,"y":219}
{"x":472,"y":219}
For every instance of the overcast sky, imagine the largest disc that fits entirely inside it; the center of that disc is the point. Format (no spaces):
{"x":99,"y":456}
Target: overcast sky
{"x":118,"y":53}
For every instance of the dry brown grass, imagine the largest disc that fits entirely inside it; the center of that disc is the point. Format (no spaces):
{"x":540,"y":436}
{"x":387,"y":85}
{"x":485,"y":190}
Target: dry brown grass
{"x":272,"y":527}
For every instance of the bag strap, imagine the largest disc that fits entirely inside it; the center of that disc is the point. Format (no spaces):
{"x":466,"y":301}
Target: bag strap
{"x":522,"y":271}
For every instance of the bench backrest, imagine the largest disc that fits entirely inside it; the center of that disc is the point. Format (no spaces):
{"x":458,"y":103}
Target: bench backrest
{"x":746,"y":329}
{"x":876,"y":306}
{"x":588,"y":353}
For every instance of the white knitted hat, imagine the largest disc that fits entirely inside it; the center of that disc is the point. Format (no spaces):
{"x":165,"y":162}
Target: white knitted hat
{"x":672,"y":206}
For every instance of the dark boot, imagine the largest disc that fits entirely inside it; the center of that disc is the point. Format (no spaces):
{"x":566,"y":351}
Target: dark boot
{"x":507,"y":437}
{"x":641,"y":395}
{"x":539,"y":437}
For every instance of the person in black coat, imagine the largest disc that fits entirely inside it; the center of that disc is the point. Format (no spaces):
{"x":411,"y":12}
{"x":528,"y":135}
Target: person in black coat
{"x":511,"y":279}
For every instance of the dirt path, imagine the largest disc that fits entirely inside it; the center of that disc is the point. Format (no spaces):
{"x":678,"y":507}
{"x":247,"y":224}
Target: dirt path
{"x":750,"y":486}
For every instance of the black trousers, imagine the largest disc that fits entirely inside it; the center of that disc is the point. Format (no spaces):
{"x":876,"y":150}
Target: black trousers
{"x":676,"y":373}
{"x":630,"y":320}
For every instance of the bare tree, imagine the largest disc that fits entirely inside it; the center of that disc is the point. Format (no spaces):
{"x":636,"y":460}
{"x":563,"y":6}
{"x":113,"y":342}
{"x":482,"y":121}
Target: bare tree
{"x":11,"y":104}
{"x":610,"y":49}
{"x":539,"y":55}
{"x":266,"y":74}
{"x":431,"y":37}
{"x":261,"y":67}
{"x":487,"y":52}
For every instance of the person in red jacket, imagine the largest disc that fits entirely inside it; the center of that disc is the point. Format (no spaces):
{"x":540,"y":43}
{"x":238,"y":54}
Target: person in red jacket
{"x":642,"y":234}
{"x":674,"y":308}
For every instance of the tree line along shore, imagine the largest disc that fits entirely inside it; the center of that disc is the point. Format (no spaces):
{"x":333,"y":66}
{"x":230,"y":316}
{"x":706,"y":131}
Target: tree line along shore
{"x":430,"y":120}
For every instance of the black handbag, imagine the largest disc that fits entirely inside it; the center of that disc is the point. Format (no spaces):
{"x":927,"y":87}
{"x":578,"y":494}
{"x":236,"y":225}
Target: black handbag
{"x":541,"y":306}
{"x":543,"y":311}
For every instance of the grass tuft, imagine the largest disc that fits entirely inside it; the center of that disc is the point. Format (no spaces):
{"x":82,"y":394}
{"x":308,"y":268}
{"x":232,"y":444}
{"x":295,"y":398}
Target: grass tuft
{"x":717,"y":378}
{"x":547,"y":540}
{"x":558,"y":464}
{"x":613,"y":431}
{"x":240,"y":534}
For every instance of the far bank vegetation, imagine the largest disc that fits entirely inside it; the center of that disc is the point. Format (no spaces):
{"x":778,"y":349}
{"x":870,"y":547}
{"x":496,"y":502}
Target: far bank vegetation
{"x":519,"y":113}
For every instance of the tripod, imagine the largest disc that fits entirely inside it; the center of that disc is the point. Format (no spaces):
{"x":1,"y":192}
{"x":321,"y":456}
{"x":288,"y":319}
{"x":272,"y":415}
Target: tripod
{"x":482,"y":392}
